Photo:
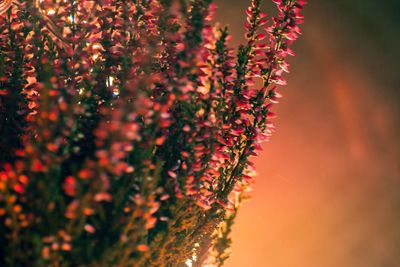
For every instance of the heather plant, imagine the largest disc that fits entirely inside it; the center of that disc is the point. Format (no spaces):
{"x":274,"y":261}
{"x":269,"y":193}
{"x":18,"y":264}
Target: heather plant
{"x":127,"y":128}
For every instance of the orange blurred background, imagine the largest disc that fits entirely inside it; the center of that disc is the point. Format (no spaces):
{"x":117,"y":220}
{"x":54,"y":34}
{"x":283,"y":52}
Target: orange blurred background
{"x":328,"y":190}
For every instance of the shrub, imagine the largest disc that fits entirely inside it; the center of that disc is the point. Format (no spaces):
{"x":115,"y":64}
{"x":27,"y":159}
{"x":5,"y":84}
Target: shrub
{"x":127,"y":128}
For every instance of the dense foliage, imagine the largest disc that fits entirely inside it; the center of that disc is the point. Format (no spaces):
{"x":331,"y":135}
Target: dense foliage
{"x":127,"y":127}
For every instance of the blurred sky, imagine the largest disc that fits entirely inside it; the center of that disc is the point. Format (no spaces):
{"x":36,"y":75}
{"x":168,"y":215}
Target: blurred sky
{"x":328,"y":190}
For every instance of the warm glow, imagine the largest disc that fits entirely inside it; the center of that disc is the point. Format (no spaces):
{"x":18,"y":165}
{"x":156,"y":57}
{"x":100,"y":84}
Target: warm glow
{"x":51,"y":12}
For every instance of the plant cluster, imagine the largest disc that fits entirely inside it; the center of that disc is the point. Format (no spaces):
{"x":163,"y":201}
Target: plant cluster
{"x":127,"y":128}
